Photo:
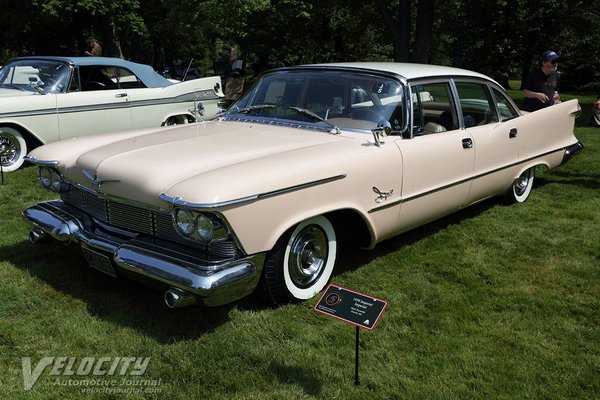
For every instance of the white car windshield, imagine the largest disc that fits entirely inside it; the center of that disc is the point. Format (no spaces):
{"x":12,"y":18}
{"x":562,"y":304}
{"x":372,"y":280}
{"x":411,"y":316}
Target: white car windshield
{"x":347,"y":100}
{"x":26,"y":75}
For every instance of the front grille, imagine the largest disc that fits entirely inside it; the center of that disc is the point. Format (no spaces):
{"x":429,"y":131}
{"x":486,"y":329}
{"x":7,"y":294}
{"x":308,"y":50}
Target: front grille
{"x":142,"y":221}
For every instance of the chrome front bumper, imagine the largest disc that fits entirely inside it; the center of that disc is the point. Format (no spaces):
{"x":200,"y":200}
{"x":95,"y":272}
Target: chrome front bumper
{"x":211,"y":282}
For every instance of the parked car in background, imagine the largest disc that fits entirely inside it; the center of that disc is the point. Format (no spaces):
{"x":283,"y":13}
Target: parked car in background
{"x":45,"y":99}
{"x":309,"y":156}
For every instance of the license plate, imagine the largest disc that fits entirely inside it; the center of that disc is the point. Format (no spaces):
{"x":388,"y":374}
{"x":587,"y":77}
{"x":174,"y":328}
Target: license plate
{"x":100,"y":262}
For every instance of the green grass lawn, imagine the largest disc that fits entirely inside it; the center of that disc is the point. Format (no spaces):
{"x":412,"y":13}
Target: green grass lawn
{"x":495,"y":302}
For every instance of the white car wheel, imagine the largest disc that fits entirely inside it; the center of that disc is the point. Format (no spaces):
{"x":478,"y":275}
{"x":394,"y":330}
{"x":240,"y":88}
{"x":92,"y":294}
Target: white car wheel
{"x":13,"y":149}
{"x":301,"y":263}
{"x":176,"y":120}
{"x":521,"y":188}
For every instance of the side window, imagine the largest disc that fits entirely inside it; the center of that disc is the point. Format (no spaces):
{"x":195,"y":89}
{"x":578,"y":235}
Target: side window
{"x":432,"y":108}
{"x":97,"y":78}
{"x":127,"y":79}
{"x":505,"y":108}
{"x":476,"y":104}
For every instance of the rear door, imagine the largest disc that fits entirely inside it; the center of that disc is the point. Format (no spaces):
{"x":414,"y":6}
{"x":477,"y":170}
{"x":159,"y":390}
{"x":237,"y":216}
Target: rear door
{"x":487,"y":115}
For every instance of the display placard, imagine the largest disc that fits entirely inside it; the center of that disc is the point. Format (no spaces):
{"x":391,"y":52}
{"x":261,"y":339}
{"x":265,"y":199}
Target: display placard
{"x":352,"y":307}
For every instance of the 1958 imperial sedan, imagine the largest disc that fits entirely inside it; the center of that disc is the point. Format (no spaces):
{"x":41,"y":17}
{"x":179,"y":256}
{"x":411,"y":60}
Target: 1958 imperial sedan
{"x":45,"y":99}
{"x":260,"y":198}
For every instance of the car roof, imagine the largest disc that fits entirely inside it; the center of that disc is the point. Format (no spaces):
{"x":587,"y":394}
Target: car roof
{"x":147,"y":75}
{"x":409,"y":71}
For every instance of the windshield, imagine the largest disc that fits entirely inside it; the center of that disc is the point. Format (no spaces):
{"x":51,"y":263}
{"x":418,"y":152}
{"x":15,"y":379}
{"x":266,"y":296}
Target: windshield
{"x":49,"y":76}
{"x":346,"y":100}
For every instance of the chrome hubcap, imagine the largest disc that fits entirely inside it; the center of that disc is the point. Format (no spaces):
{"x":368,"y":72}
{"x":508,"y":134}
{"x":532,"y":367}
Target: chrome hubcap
{"x":522,"y":183}
{"x":308,"y":256}
{"x":10,"y":150}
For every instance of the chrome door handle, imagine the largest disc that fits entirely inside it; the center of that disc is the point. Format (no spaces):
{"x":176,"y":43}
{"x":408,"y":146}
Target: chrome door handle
{"x":467,"y":143}
{"x":121,"y":95}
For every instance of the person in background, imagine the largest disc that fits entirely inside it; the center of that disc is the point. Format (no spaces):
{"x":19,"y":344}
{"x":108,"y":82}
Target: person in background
{"x":596,"y":116}
{"x":94,"y":49}
{"x":541,"y":88}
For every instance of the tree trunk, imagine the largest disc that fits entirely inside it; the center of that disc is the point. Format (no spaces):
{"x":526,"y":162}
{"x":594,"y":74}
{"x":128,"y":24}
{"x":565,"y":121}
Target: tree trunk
{"x":113,"y":43}
{"x":424,"y":29}
{"x":399,"y":28}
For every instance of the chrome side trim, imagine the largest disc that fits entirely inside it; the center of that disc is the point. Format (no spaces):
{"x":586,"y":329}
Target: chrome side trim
{"x":569,"y":152}
{"x":184,"y":98}
{"x":35,"y":161}
{"x":28,"y":113}
{"x":178,"y":201}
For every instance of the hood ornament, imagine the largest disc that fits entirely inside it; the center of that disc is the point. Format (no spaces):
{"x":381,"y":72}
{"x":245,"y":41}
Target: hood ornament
{"x":382,"y":195}
{"x":96,"y":183}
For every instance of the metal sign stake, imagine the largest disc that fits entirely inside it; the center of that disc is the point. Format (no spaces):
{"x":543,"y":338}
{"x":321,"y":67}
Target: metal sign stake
{"x":356,"y":381}
{"x":354,"y":308}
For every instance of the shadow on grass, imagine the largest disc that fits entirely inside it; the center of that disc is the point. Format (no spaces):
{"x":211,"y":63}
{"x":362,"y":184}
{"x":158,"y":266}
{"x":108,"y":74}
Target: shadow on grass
{"x":120,"y":301}
{"x":131,"y":304}
{"x":585,"y":181}
{"x":303,"y":377}
{"x":350,"y":258}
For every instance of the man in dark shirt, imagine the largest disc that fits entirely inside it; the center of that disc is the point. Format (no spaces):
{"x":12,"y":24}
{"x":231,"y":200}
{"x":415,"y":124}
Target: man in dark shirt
{"x":541,"y":88}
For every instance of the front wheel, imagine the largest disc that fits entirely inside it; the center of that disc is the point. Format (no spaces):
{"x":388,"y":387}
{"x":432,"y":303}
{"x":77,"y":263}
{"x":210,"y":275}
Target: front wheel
{"x":13,"y":149}
{"x":301,"y":263}
{"x":521,"y":188}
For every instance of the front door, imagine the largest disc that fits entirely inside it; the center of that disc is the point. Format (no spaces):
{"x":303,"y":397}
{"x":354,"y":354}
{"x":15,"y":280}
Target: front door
{"x":95,"y":104}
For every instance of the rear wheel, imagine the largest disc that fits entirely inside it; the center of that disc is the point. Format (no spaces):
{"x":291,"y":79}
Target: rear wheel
{"x":301,"y":263}
{"x":13,"y":149}
{"x":176,"y":120}
{"x":521,"y":188}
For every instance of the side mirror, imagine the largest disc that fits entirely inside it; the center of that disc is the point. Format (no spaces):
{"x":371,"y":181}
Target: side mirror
{"x":384,"y":128}
{"x":37,"y":85}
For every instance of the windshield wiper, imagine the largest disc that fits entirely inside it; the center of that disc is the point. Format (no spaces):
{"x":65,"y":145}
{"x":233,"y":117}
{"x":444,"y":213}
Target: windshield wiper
{"x":304,"y":111}
{"x":246,"y":110}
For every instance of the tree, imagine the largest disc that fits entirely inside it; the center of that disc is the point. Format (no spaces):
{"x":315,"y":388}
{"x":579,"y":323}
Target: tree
{"x":411,"y":43}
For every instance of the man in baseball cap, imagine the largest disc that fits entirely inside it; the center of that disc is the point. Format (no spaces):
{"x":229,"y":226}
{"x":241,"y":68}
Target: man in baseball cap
{"x":541,"y":88}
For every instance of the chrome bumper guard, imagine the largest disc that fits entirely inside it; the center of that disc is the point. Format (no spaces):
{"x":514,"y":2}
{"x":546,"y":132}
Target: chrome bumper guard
{"x":212,"y":282}
{"x":571,"y":151}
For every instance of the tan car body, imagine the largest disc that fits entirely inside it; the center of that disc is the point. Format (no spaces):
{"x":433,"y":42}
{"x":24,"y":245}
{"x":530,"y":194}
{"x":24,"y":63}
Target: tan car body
{"x":265,"y":179}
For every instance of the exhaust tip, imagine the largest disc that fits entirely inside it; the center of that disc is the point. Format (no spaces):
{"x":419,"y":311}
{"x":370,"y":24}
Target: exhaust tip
{"x":177,"y":298}
{"x":37,"y":236}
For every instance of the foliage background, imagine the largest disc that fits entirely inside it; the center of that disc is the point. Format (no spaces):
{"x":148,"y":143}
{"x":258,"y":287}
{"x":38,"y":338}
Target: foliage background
{"x":501,"y":38}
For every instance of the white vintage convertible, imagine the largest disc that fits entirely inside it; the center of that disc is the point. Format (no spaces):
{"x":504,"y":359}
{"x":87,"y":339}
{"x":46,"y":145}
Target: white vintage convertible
{"x":45,"y":99}
{"x":309,"y":156}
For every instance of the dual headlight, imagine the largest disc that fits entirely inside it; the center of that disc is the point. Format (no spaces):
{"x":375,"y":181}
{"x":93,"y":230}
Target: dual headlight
{"x":52,"y":180}
{"x":200,"y":226}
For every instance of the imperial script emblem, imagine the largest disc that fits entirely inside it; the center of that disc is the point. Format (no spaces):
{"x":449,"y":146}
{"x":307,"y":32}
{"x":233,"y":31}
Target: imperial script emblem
{"x":382,"y":196}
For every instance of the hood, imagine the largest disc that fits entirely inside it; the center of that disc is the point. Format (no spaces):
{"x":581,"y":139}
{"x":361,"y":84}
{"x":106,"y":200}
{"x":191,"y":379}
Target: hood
{"x":205,"y":163}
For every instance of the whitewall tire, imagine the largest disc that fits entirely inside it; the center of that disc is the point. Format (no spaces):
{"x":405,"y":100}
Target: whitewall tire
{"x":521,"y":188}
{"x":13,"y":149}
{"x":301,"y":263}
